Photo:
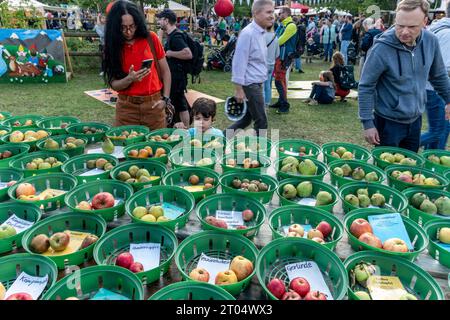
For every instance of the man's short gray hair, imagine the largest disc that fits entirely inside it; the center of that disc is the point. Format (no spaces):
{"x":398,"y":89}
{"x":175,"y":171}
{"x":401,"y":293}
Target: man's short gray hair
{"x":369,"y":23}
{"x":258,"y":5}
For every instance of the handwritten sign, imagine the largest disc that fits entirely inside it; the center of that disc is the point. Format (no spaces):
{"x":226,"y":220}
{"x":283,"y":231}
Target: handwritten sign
{"x":92,"y":172}
{"x":387,"y":226}
{"x":146,"y":253}
{"x":213,"y":266}
{"x":18,"y":224}
{"x":385,"y":288}
{"x":232,"y":218}
{"x":25,"y":283}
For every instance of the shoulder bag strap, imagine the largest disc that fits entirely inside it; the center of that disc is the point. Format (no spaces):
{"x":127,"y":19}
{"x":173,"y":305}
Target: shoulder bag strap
{"x":155,"y":59}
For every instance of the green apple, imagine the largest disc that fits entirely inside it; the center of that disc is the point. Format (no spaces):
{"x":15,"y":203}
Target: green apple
{"x":444,"y":235}
{"x":156,"y":211}
{"x":139,"y":212}
{"x":7,"y":231}
{"x":148,"y":218}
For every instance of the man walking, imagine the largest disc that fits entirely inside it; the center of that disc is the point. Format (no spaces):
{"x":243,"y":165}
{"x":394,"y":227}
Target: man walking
{"x":392,"y":92}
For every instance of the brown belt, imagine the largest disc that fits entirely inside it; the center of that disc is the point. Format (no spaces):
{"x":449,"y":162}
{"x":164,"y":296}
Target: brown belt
{"x":137,"y":99}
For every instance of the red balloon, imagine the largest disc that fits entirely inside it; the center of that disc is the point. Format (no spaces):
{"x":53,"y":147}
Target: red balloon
{"x":223,"y":8}
{"x":109,"y":6}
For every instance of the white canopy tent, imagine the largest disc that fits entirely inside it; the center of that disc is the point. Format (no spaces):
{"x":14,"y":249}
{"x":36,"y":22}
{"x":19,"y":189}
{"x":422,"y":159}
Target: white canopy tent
{"x":174,"y":6}
{"x":33,"y":4}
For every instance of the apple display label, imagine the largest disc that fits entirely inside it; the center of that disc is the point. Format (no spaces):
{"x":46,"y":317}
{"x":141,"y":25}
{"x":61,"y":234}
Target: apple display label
{"x":232,"y":218}
{"x":307,"y":202}
{"x":196,"y":188}
{"x":306,"y":228}
{"x":92,"y":172}
{"x":104,"y":294}
{"x":3,"y":185}
{"x":172,"y":211}
{"x":25,"y":283}
{"x":213,"y":266}
{"x":118,"y":152}
{"x":311,"y":272}
{"x":390,"y":225}
{"x":146,"y":253}
{"x":76,"y":239}
{"x":19,"y":224}
{"x":291,"y":153}
{"x":385,"y":288}
{"x":444,"y":246}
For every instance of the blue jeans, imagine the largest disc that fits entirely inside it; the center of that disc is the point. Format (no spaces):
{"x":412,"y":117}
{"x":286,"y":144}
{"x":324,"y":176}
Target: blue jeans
{"x":298,"y":63}
{"x":268,"y":86}
{"x":395,"y":134}
{"x":344,"y":47}
{"x":319,"y":94}
{"x":328,"y":51}
{"x":438,"y":127}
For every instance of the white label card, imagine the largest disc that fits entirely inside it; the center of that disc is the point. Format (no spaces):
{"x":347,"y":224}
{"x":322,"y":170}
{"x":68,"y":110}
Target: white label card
{"x":232,"y":218}
{"x":92,"y":172}
{"x":3,"y":185}
{"x":213,"y":266}
{"x":18,"y":224}
{"x":25,"y":283}
{"x":311,"y":272}
{"x":172,"y":211}
{"x":118,"y":152}
{"x":291,"y":153}
{"x":148,"y":254}
{"x":306,"y":228}
{"x":307,"y":202}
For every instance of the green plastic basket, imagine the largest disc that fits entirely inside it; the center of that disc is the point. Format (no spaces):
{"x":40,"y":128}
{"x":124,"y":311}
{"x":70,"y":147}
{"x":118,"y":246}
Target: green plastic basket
{"x":239,"y":158}
{"x":31,"y":144}
{"x":418,"y":281}
{"x":90,"y":280}
{"x":184,"y":134}
{"x":121,"y":192}
{"x":217,"y":143}
{"x":21,"y":163}
{"x":34,"y":265}
{"x":79,"y":150}
{"x":158,"y":195}
{"x":320,"y":173}
{"x":434,"y":166}
{"x":73,"y":221}
{"x":400,"y":185}
{"x":5,"y":128}
{"x":57,"y":181}
{"x":21,"y":119}
{"x":341,"y":181}
{"x":215,"y":245}
{"x":432,"y":229}
{"x":115,"y":132}
{"x":446,"y":175}
{"x":419,"y":216}
{"x":189,"y":157}
{"x":154,"y":145}
{"x":291,"y":147}
{"x":285,"y":216}
{"x":53,"y":124}
{"x":250,"y":144}
{"x":28,"y":212}
{"x":276,"y":255}
{"x":263,"y":196}
{"x":155,"y":168}
{"x":119,"y":239}
{"x":395,"y":200}
{"x":190,"y":290}
{"x":376,"y":152}
{"x":18,"y":150}
{"x":359,"y":153}
{"x":180,"y":177}
{"x":7,"y":175}
{"x":232,"y":202}
{"x":317,"y":187}
{"x":76,"y":130}
{"x":416,"y":234}
{"x":78,"y":166}
{"x":5,"y":115}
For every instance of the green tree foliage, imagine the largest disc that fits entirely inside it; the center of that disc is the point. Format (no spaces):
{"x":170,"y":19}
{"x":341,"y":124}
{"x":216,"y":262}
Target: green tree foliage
{"x":356,"y":6}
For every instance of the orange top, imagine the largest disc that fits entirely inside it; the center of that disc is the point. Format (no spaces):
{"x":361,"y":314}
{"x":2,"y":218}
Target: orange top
{"x":134,"y":54}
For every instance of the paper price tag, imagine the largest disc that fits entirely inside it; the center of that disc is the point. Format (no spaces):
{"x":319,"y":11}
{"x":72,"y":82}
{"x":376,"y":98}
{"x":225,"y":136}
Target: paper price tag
{"x":232,"y":218}
{"x":213,"y":266}
{"x":385,"y":288}
{"x":104,"y":294}
{"x":18,"y":224}
{"x":92,"y":172}
{"x":3,"y":185}
{"x":172,"y":211}
{"x":149,"y":254}
{"x":307,"y":202}
{"x":25,"y":283}
{"x":306,"y":228}
{"x":311,"y":272}
{"x":291,"y":153}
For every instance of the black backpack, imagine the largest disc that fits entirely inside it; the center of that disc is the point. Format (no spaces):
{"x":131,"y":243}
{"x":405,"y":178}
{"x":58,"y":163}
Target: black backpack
{"x":300,"y":41}
{"x":193,"y":66}
{"x":347,"y":78}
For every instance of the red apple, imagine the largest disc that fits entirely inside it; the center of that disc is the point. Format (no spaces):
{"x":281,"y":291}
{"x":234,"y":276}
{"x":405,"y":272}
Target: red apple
{"x":136,"y":267}
{"x":247,"y":215}
{"x":371,"y":240}
{"x":291,"y":295}
{"x":59,"y":241}
{"x":20,"y":296}
{"x":405,"y":178}
{"x":315,"y":295}
{"x":300,"y":285}
{"x":103,"y":200}
{"x":314,"y":233}
{"x":277,"y":288}
{"x":325,"y":228}
{"x":199,"y":274}
{"x":242,"y":267}
{"x":360,"y":226}
{"x":395,"y":245}
{"x":125,"y":259}
{"x":318,"y":240}
{"x":25,"y":189}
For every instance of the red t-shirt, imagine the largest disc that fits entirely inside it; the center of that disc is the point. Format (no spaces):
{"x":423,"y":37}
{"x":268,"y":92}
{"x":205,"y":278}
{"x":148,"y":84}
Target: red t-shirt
{"x":133,"y":54}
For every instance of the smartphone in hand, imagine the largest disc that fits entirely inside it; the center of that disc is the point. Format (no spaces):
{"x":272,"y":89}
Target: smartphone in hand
{"x":147,"y":63}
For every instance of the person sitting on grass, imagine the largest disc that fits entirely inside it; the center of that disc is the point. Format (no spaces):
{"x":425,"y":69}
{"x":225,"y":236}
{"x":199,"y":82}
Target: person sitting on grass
{"x":323,"y":91}
{"x":338,"y":64}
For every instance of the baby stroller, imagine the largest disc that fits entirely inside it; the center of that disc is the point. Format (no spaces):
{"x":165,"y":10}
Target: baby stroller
{"x":222,"y":58}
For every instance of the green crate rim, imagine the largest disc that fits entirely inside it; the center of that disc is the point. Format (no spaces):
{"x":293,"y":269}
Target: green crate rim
{"x":138,"y":128}
{"x":59,"y":155}
{"x":41,"y":123}
{"x":423,"y":215}
{"x":34,"y":117}
{"x":178,"y":151}
{"x":6,"y":114}
{"x":433,"y":247}
{"x":154,"y":145}
{"x":238,"y":139}
{"x":376,"y":152}
{"x":91,"y":156}
{"x":191,"y":286}
{"x":185,"y":134}
{"x":320,"y":167}
{"x":59,"y":139}
{"x":439,"y":167}
{"x":5,"y":138}
{"x":307,"y":143}
{"x":114,"y":172}
{"x":348,"y":146}
{"x":339,"y":163}
{"x":427,"y":172}
{"x":266,"y":163}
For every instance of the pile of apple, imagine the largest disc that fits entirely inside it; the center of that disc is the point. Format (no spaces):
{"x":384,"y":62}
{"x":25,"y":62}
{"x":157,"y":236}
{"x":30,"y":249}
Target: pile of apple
{"x":28,"y":136}
{"x":150,"y":214}
{"x":26,"y":191}
{"x":166,"y":138}
{"x":362,"y":230}
{"x":43,"y":164}
{"x":240,"y":268}
{"x":247,"y":216}
{"x":126,"y":260}
{"x":292,"y":165}
{"x":99,"y":163}
{"x":356,"y":174}
{"x":304,"y":190}
{"x":319,"y":234}
{"x":342,"y":153}
{"x":443,"y":160}
{"x":439,"y":205}
{"x":397,"y":158}
{"x":26,"y":123}
{"x":126,"y":135}
{"x":7,"y":231}
{"x":417,"y":179}
{"x":362,"y":199}
{"x":102,"y":200}
{"x":5,"y":154}
{"x":301,"y":151}
{"x":251,"y":186}
{"x":91,"y":130}
{"x":59,"y":241}
{"x":195,"y":180}
{"x":247,"y":163}
{"x":147,"y":152}
{"x":69,"y":143}
{"x":134,"y":175}
{"x":299,"y":289}
{"x":15,"y":296}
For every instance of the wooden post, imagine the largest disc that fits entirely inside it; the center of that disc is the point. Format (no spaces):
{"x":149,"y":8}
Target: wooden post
{"x":69,"y":62}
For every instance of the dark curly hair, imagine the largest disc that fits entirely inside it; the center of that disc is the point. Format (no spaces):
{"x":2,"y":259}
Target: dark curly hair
{"x":114,"y":39}
{"x":204,"y":106}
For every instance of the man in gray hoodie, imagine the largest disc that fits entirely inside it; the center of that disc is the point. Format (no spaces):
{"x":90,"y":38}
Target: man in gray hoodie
{"x":392,"y":94}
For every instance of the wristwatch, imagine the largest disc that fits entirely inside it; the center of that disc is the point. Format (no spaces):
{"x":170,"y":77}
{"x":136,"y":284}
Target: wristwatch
{"x":165,"y":99}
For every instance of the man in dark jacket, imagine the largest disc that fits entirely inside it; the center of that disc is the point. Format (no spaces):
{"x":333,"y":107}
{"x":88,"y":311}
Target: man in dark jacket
{"x":367,"y":41}
{"x":345,"y":36}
